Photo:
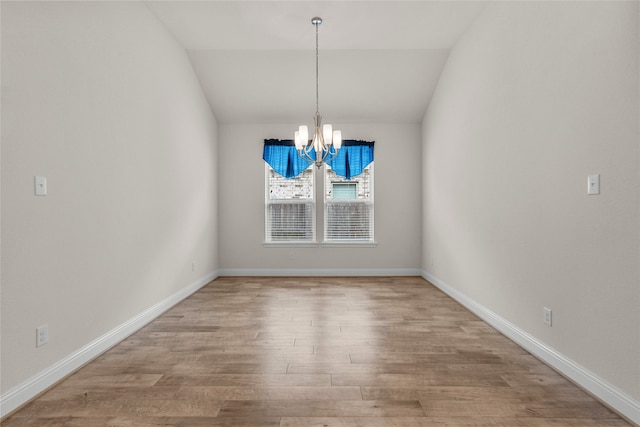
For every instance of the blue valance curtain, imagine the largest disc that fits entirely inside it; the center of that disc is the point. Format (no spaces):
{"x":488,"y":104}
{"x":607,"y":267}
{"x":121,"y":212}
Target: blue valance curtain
{"x":351,"y":160}
{"x":283,"y":157}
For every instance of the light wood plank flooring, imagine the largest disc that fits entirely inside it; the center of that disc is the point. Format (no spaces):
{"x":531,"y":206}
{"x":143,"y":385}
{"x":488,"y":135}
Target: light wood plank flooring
{"x":316,"y":352}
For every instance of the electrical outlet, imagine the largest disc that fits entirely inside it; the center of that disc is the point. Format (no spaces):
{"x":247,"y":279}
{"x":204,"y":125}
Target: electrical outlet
{"x":193,"y":266}
{"x":42,"y":335}
{"x":292,"y":256}
{"x":546,"y":316}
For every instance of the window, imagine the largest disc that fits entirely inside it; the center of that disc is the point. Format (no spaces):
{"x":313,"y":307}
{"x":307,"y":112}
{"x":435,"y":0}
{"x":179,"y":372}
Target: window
{"x":348,"y":206}
{"x":290,"y":207}
{"x":344,"y":190}
{"x":290,"y":194}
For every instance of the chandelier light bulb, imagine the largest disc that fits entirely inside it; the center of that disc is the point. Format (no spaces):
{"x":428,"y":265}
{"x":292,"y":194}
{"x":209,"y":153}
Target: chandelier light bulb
{"x":297,"y":141}
{"x":327,"y":134}
{"x":337,"y":140}
{"x":304,"y":135}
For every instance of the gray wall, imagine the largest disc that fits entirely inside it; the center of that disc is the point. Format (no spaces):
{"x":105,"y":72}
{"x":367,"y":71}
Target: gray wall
{"x":397,"y":205}
{"x":534,"y":98}
{"x":101,"y":100}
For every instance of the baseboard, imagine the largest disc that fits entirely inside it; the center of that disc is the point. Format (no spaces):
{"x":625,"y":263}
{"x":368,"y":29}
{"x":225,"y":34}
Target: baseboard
{"x":618,"y":400}
{"x":320,"y":272}
{"x":21,"y":394}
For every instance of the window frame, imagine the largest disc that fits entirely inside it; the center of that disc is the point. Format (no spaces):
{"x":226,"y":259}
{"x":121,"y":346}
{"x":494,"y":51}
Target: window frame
{"x":367,"y":201}
{"x":269,"y":202}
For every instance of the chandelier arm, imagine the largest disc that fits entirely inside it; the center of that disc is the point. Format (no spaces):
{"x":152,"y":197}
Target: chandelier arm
{"x":306,"y":151}
{"x":323,"y":157}
{"x":304,"y":156}
{"x":331,"y":156}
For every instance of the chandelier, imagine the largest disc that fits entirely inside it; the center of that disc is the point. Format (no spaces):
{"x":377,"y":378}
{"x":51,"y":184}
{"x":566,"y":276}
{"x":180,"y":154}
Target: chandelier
{"x":326,"y":142}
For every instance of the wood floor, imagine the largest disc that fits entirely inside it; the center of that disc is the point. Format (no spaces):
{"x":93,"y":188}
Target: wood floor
{"x":316,"y":352}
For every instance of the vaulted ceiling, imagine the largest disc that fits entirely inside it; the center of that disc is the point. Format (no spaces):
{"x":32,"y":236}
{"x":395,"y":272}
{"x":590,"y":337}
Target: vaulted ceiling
{"x":379,"y":60}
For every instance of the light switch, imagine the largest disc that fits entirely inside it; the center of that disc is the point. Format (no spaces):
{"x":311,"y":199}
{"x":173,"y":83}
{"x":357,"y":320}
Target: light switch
{"x":593,"y":184}
{"x":41,"y":185}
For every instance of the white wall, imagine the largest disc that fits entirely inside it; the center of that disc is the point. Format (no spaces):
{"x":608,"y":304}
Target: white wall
{"x":535,"y":97}
{"x":101,"y":100}
{"x":397,"y":205}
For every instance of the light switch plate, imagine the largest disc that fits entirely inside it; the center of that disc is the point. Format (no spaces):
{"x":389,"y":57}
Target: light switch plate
{"x":593,"y":184}
{"x":40,"y":183}
{"x":546,"y":316}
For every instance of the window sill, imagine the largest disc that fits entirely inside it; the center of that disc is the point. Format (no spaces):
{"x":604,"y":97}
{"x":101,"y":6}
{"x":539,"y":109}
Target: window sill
{"x":290,"y":244}
{"x":332,"y":244}
{"x":349,"y":244}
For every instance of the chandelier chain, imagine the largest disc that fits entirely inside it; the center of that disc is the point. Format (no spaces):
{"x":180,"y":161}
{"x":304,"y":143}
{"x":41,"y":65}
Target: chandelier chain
{"x":317,"y":92}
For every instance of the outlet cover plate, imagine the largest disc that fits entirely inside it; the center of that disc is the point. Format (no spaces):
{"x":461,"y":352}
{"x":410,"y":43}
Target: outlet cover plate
{"x":546,"y":316}
{"x":42,"y":335}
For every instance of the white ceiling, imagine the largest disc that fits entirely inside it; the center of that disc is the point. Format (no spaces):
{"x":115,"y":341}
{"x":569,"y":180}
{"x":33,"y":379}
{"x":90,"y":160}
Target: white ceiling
{"x":379,"y":60}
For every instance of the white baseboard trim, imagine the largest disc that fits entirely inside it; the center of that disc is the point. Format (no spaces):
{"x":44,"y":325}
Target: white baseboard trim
{"x":320,"y":272}
{"x":618,"y":400}
{"x":21,"y":394}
